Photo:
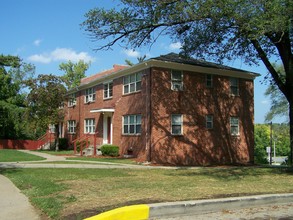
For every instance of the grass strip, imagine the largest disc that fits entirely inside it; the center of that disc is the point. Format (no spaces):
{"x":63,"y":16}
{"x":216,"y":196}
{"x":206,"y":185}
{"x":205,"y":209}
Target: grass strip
{"x":80,"y":193}
{"x":7,"y":155}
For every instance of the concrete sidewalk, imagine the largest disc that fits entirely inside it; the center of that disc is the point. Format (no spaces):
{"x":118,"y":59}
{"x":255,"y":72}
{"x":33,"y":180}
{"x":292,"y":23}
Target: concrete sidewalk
{"x":13,"y":204}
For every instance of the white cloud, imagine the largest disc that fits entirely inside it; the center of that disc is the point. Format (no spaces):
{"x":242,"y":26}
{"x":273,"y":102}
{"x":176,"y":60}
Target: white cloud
{"x":37,"y":42}
{"x":175,"y":46}
{"x":61,"y":54}
{"x":131,"y":53}
{"x":264,"y":102}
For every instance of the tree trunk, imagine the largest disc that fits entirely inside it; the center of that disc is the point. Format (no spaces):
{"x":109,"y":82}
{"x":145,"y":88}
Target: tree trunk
{"x":56,"y":137}
{"x":290,"y":159}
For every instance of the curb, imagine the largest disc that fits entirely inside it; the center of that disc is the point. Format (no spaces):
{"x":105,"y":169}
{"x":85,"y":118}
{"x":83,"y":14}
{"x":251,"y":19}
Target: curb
{"x":194,"y":207}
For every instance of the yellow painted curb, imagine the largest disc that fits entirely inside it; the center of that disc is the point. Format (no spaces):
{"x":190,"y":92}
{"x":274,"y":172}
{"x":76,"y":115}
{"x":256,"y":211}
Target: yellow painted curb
{"x":134,"y":212}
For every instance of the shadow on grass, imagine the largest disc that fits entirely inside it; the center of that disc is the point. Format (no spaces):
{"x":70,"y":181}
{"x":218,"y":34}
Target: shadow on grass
{"x":230,"y":173}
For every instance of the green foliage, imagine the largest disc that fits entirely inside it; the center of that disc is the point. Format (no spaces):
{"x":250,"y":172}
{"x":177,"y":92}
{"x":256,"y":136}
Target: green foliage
{"x":281,"y":140}
{"x":63,"y":144}
{"x":279,"y":103}
{"x":110,"y":150}
{"x":81,"y":145}
{"x":13,"y":123}
{"x":74,"y":72}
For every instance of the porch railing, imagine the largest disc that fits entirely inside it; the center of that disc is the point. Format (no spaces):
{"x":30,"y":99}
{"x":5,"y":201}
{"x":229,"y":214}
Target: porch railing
{"x":85,"y":138}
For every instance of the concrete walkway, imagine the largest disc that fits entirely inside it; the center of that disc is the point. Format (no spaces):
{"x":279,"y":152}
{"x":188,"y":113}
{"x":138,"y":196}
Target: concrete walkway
{"x":13,"y":204}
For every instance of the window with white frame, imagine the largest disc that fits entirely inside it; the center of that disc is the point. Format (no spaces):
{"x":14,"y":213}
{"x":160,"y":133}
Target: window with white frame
{"x":209,"y":81}
{"x":176,"y":80}
{"x":177,"y":124}
{"x":132,"y":83}
{"x":90,"y":95}
{"x":234,"y":86}
{"x":89,"y":125}
{"x":209,"y":121}
{"x":52,"y":128}
{"x":72,"y":100}
{"x":108,"y":90}
{"x":132,"y":124}
{"x":71,"y":125}
{"x":234,"y":125}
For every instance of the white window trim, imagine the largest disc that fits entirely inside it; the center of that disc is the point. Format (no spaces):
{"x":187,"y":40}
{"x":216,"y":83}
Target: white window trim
{"x":129,"y":83}
{"x":234,"y":125}
{"x":72,"y":100}
{"x":90,"y":95}
{"x":135,"y":124}
{"x":108,"y":90}
{"x":176,"y":81}
{"x":73,"y":126}
{"x":92,"y":126}
{"x":181,"y":124}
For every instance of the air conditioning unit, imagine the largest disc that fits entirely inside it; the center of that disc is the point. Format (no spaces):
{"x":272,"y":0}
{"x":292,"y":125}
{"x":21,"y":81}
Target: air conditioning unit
{"x":90,"y":99}
{"x":177,"y":87}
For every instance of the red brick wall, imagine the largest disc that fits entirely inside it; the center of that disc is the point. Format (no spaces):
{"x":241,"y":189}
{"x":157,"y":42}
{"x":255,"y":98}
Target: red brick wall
{"x":199,"y":145}
{"x":19,"y":144}
{"x":156,"y":102}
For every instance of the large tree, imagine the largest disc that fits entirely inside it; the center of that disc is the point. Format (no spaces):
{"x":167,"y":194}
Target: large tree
{"x":74,"y":72}
{"x":12,"y":99}
{"x":45,"y":101}
{"x":221,"y":30}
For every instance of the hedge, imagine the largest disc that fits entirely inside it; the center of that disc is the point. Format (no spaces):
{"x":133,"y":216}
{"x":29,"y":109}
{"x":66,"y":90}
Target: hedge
{"x":110,"y":150}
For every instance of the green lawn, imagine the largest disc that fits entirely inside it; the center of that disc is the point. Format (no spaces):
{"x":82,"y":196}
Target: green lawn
{"x":80,"y":193}
{"x":16,"y":156}
{"x":61,"y":152}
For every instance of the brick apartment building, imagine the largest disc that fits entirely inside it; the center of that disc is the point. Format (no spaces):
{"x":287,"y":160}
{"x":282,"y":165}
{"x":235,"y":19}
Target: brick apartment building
{"x":168,"y":110}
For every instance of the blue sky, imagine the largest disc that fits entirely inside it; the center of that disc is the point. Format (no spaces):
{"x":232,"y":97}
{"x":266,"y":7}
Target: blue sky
{"x":47,"y":33}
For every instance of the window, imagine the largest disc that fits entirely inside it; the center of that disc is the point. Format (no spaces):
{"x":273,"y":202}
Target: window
{"x":176,"y":124}
{"x":71,"y":126}
{"x":209,"y":81}
{"x":90,"y":95}
{"x":132,"y":83}
{"x":72,"y":100}
{"x":176,"y":80}
{"x":209,"y":121}
{"x":89,"y":125}
{"x":51,"y":128}
{"x":132,"y":124}
{"x":108,"y":90}
{"x":234,"y":125}
{"x":234,"y":88}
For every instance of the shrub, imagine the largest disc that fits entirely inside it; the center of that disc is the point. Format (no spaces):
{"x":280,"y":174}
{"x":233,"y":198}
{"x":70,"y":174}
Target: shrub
{"x":110,"y":150}
{"x":63,"y":144}
{"x":81,"y":144}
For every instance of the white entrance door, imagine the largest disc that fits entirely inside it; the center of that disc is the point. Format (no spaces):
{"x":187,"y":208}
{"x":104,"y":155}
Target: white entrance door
{"x":107,"y":128}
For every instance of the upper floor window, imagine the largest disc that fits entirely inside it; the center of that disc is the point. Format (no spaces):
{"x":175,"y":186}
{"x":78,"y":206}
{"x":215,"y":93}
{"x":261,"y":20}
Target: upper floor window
{"x":108,"y":90}
{"x":234,"y":86}
{"x":132,"y":124}
{"x":89,"y":125}
{"x":72,"y":100}
{"x":90,"y":95}
{"x":209,"y":81}
{"x":177,"y":80}
{"x":71,"y":125}
{"x":176,"y":124}
{"x":234,"y":125}
{"x":209,"y":121}
{"x":132,"y":83}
